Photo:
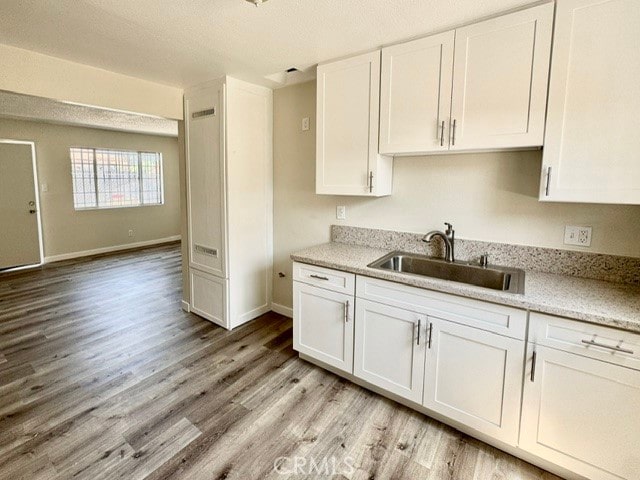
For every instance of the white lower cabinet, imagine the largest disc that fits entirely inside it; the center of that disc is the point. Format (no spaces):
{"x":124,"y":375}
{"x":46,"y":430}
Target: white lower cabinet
{"x":464,"y":360}
{"x":323,"y":325}
{"x":389,"y":348}
{"x":474,"y":377}
{"x":582,"y":414}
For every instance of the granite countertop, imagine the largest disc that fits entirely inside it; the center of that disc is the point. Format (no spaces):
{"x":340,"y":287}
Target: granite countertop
{"x":594,"y":301}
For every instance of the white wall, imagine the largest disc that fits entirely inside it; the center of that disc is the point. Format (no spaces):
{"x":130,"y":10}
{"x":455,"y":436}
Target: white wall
{"x":31,"y":73}
{"x":488,"y":196}
{"x":65,"y":230}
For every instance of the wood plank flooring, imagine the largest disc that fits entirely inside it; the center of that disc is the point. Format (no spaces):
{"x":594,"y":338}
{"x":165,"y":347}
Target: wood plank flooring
{"x":103,"y":376}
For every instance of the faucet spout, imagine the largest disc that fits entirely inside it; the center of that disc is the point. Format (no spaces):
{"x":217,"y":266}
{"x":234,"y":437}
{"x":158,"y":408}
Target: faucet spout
{"x":448,"y":239}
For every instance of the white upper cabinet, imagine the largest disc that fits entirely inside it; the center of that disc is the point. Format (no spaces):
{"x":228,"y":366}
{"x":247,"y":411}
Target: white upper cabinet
{"x":592,"y":145}
{"x":415,"y":95}
{"x":500,"y":75}
{"x":348,"y":100}
{"x":490,"y":95}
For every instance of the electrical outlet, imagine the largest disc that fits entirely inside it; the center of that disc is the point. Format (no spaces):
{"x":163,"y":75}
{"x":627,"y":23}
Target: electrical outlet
{"x":580,"y":236}
{"x":44,"y":187}
{"x":305,"y":124}
{"x":341,"y":212}
{"x":131,"y":233}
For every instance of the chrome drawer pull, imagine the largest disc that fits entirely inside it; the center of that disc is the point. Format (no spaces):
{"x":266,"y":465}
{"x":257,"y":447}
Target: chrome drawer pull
{"x":319,"y":277}
{"x":615,"y":349}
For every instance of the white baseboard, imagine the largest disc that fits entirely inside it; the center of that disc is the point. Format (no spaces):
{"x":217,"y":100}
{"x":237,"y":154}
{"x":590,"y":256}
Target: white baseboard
{"x":114,"y":248}
{"x":185,"y":306}
{"x":282,"y":310}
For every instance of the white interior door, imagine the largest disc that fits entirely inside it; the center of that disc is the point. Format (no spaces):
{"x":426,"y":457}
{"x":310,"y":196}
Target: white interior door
{"x":19,"y":217}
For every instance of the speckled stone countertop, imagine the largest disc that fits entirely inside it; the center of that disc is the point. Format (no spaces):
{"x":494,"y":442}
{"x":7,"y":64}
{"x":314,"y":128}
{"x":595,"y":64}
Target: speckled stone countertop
{"x":595,"y":301}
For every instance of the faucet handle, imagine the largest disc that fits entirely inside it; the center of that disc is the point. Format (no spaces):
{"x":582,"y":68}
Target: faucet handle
{"x":449,"y":227}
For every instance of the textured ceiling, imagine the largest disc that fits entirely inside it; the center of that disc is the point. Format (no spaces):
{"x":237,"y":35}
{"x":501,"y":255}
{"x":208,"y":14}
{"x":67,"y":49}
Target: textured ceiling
{"x":27,"y":107}
{"x":184,"y":42}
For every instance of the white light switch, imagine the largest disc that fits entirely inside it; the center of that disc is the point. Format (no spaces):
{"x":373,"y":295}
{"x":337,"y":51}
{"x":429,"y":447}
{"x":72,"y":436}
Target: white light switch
{"x":580,"y":236}
{"x":341,"y":212}
{"x":305,"y":124}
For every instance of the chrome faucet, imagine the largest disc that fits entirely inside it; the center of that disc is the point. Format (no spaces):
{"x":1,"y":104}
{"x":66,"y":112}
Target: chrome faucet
{"x":448,"y":237}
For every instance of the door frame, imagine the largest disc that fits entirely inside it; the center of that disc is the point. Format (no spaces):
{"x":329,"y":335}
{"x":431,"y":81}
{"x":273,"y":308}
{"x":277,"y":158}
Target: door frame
{"x":36,"y":187}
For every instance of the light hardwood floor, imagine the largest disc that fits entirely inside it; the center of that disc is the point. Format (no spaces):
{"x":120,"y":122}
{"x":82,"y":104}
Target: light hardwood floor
{"x":102,"y":375}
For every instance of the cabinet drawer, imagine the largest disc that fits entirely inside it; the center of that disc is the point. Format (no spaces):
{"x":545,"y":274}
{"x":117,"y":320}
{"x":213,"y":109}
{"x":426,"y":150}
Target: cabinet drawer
{"x":335,"y":280}
{"x":595,"y":341}
{"x":491,"y":317}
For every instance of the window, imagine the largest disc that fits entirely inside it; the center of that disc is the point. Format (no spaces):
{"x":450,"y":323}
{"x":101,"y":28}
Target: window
{"x":115,"y":178}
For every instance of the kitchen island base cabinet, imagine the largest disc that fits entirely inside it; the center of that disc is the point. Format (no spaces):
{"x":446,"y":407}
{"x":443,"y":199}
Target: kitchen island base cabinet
{"x":323,"y":325}
{"x":582,"y":414}
{"x":389,"y":348}
{"x":474,"y":377}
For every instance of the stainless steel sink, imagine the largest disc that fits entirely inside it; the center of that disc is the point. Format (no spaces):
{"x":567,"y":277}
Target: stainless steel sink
{"x":494,"y":277}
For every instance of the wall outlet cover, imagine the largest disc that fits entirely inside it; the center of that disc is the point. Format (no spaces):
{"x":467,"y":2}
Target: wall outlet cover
{"x":341,"y":212}
{"x":576,"y":235}
{"x":305,"y":124}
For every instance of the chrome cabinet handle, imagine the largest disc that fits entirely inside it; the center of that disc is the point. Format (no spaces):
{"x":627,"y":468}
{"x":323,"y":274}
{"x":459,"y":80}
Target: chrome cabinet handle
{"x":602,"y":345}
{"x":371,"y":181}
{"x":533,"y":365}
{"x":346,"y":312}
{"x":453,"y":134}
{"x":442,"y":135}
{"x":419,"y":322}
{"x":546,"y":189}
{"x":319,"y":277}
{"x":430,"y":334}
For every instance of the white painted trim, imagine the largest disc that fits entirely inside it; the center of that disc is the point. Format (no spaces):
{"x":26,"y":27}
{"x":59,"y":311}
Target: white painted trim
{"x":114,"y":248}
{"x":185,"y":306}
{"x":248,"y":316}
{"x":36,"y":188}
{"x":282,"y":309}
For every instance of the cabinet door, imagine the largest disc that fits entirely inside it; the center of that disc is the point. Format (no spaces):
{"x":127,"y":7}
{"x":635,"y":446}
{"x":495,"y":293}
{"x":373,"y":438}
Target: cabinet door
{"x":205,"y":179}
{"x":415,"y":95}
{"x":582,"y":414}
{"x":500,"y":77}
{"x":348,"y":103}
{"x":592,"y":142}
{"x":323,"y":325}
{"x":474,"y":377}
{"x":389,"y":348}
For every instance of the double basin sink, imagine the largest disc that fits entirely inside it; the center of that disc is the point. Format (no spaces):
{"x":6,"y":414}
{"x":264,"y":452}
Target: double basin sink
{"x":493,"y":277}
